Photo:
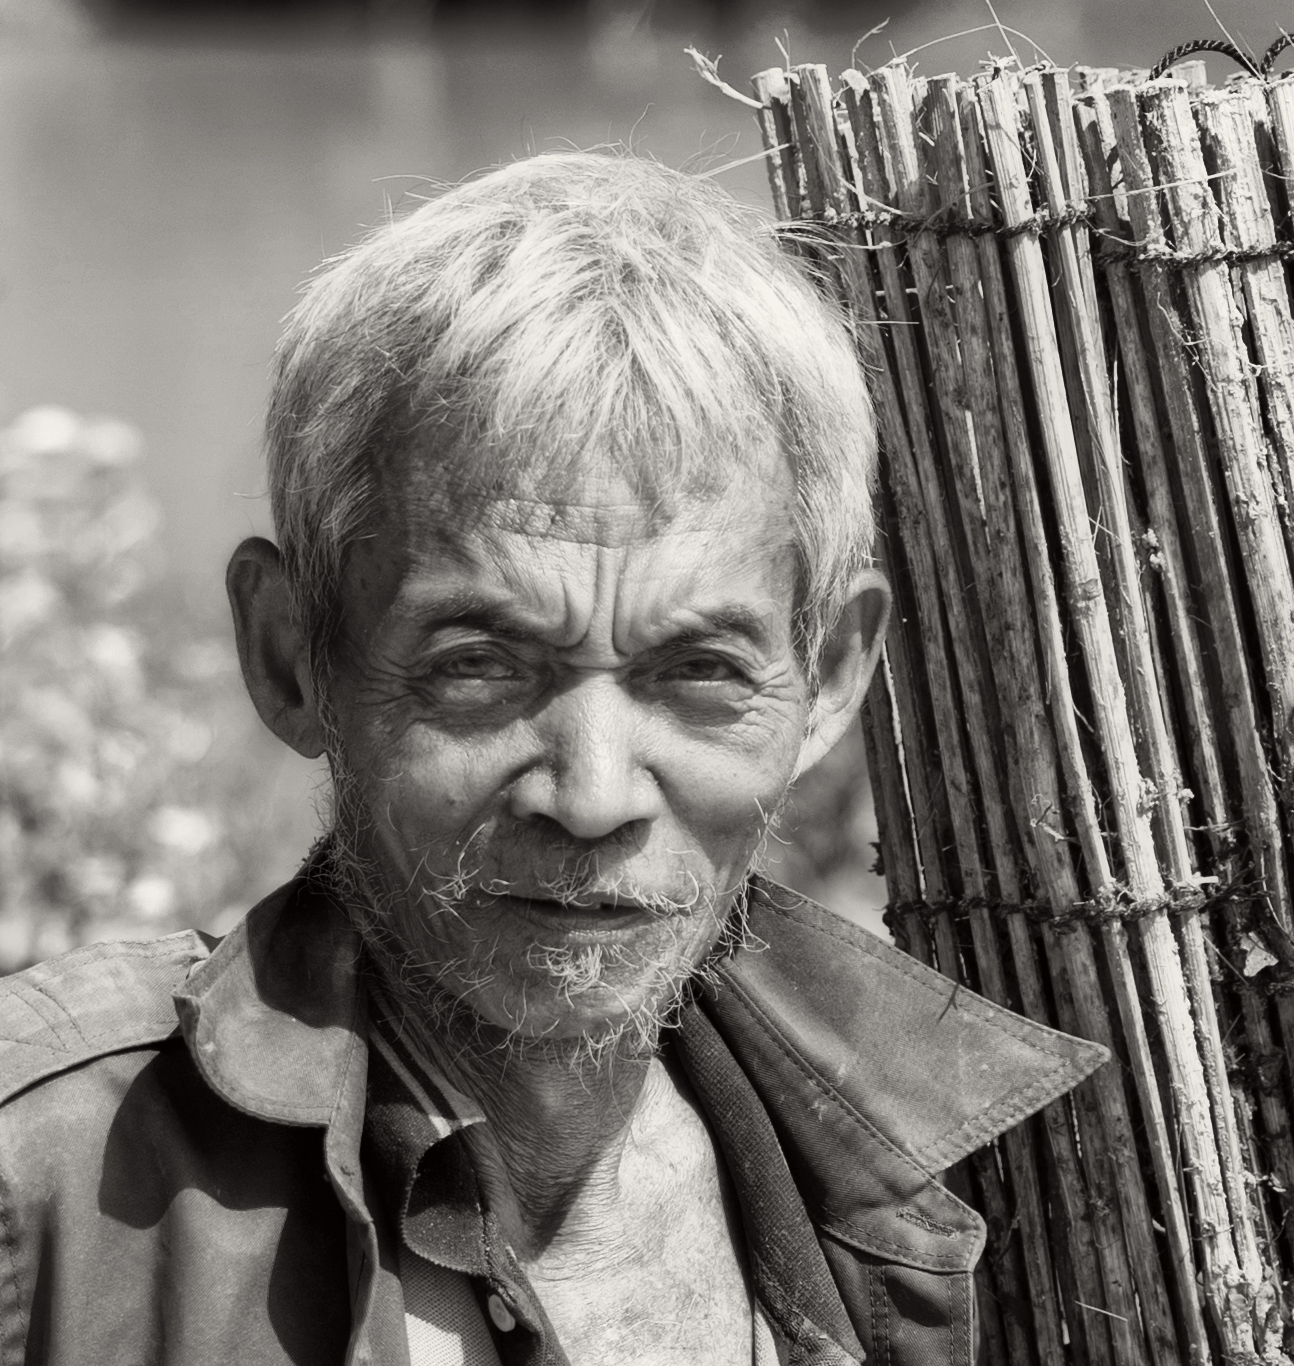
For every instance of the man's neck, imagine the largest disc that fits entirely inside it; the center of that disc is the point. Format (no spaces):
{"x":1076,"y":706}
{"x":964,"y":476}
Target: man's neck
{"x":558,"y":1125}
{"x":610,"y":1192}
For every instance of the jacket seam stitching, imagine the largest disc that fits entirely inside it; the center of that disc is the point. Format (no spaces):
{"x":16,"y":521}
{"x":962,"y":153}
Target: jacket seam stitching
{"x":1013,"y":1107}
{"x":64,"y":1014}
{"x":37,"y":1004}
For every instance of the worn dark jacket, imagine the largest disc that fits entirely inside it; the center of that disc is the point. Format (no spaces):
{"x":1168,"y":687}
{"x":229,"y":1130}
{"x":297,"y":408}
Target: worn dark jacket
{"x":180,"y":1128}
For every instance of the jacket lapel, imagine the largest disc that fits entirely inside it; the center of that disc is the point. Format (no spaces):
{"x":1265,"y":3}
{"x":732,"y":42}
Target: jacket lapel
{"x":877,"y":1071}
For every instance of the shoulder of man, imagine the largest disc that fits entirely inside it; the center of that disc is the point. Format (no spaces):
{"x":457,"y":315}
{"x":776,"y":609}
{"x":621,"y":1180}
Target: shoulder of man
{"x":93,"y":1002}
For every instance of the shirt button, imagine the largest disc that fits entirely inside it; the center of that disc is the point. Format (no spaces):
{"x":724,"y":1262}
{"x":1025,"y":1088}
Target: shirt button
{"x":500,"y":1314}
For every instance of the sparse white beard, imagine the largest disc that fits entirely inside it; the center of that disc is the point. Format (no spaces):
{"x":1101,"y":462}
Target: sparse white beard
{"x":420,"y":985}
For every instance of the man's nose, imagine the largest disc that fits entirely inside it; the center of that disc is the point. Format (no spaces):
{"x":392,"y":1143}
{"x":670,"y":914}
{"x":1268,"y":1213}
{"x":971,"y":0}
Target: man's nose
{"x":592,"y":779}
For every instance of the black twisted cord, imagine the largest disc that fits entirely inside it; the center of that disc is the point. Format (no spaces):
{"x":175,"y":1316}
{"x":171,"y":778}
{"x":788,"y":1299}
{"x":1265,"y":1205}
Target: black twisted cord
{"x":1269,"y":57}
{"x":1170,"y":59}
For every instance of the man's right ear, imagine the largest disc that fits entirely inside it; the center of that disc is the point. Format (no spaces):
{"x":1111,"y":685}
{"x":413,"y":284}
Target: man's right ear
{"x":272,"y":650}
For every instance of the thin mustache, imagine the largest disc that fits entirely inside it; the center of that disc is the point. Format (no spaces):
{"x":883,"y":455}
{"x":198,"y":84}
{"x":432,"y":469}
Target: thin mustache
{"x":584,"y":883}
{"x":589,"y":896}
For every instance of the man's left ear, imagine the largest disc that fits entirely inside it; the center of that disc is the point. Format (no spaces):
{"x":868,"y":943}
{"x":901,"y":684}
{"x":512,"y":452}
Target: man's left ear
{"x":847,"y":664}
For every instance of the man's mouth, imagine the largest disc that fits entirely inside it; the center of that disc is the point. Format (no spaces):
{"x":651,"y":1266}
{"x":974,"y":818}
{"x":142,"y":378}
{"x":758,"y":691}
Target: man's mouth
{"x":587,"y":918}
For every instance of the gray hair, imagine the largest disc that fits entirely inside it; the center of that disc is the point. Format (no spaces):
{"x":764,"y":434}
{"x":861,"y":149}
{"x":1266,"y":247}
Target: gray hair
{"x":565,"y":305}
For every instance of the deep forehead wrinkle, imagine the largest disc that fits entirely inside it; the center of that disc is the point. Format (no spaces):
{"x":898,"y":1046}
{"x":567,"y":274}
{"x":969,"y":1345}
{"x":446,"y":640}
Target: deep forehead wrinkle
{"x":501,"y":615}
{"x":608,"y":525}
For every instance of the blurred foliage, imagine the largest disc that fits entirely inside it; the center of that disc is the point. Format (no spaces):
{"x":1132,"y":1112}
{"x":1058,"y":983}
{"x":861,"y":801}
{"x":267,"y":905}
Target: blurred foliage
{"x":133,"y":774}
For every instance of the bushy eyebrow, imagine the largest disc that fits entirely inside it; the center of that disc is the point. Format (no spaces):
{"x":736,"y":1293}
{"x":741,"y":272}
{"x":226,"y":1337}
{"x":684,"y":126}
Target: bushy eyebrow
{"x":492,"y":617}
{"x":472,"y":610}
{"x":733,"y":619}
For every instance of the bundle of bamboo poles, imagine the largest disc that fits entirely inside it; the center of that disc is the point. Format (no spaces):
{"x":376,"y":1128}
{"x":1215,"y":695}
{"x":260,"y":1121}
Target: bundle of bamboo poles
{"x":1071,"y":293}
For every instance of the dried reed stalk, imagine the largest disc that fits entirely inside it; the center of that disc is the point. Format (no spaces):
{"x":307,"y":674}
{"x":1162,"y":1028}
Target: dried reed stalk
{"x":1087,"y":431}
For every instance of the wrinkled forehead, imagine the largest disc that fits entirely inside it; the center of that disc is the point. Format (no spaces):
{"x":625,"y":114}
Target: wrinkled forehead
{"x":591,"y":497}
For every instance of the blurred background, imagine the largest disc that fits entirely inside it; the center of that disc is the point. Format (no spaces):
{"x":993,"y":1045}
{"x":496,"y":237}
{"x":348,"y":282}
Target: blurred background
{"x":169,"y":171}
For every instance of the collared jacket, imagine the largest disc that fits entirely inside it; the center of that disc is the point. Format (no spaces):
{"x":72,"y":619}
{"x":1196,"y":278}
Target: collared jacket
{"x":181,"y":1125}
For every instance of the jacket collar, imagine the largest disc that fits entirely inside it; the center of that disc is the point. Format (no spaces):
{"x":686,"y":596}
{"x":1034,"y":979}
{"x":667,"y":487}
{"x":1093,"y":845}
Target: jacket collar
{"x":876,"y":1069}
{"x":275,"y":1021}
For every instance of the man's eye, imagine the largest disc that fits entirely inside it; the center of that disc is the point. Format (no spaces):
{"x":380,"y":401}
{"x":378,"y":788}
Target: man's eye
{"x":703,"y":669}
{"x":476,"y":664}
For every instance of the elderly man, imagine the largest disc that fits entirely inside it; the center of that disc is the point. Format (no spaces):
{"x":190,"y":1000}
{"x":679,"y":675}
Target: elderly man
{"x":570,"y":474}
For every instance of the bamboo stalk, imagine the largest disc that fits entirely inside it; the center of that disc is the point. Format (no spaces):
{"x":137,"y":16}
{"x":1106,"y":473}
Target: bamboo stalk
{"x":1216,"y":608}
{"x":1116,"y":1269}
{"x":907,"y":803}
{"x":1170,"y":332}
{"x":827,"y":192}
{"x":1168,"y":556}
{"x":1060,"y":173}
{"x":1228,"y":1286}
{"x":1088,"y":613}
{"x":826,"y":188}
{"x":980,"y":925}
{"x":1099,"y":146}
{"x":821,"y":147}
{"x":769,"y":87}
{"x":784,"y":173}
{"x":1226,"y":122}
{"x":1229,"y":384}
{"x":1094,"y":1260}
{"x":1233,"y":400}
{"x":893,"y":813}
{"x":900,"y":146}
{"x":1078,"y":555}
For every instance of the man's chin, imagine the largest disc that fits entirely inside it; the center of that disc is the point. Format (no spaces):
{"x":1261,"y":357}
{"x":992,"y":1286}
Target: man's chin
{"x":601,"y":1021}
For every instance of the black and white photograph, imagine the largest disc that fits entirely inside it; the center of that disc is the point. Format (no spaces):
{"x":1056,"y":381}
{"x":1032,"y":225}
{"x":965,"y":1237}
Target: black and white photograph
{"x":646,"y":683}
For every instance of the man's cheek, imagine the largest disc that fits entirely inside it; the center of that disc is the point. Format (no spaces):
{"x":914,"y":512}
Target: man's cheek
{"x":731,"y":799}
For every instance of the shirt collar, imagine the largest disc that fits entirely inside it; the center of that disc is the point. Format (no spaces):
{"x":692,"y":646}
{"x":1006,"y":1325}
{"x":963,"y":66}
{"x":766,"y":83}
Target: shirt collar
{"x":445,"y":1109}
{"x":411,"y":1108}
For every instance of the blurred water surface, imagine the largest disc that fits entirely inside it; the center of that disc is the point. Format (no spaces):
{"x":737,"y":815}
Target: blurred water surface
{"x":164,"y":185}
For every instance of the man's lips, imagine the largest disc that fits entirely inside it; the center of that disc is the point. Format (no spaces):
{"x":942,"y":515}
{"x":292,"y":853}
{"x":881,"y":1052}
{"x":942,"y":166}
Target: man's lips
{"x":589,"y":919}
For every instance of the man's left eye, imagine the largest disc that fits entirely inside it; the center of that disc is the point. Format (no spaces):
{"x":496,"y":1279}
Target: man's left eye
{"x":476,"y":664}
{"x":703,"y":669}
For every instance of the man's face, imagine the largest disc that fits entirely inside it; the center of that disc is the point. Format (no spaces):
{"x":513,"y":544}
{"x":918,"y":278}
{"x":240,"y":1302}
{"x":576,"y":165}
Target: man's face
{"x":562,"y":730}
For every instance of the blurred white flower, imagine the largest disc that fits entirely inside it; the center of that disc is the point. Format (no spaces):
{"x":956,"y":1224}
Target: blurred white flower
{"x":120,"y":752}
{"x":184,"y":829}
{"x":44,"y":430}
{"x":76,"y":783}
{"x":114,"y":653}
{"x":190,"y":740}
{"x":118,"y":817}
{"x":151,"y":897}
{"x":26,"y":600}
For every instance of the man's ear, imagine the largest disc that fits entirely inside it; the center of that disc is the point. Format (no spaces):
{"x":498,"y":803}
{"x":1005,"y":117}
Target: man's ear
{"x":271,"y":648}
{"x":847,"y":664}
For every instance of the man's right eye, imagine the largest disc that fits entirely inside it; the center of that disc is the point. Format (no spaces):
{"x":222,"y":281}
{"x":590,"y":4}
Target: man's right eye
{"x":482,"y":664}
